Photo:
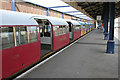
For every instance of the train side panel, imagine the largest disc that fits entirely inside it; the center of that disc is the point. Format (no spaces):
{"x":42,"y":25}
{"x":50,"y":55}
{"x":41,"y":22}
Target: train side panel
{"x":60,"y":41}
{"x":83,"y":31}
{"x":0,"y":64}
{"x":17,"y":58}
{"x":76,"y":34}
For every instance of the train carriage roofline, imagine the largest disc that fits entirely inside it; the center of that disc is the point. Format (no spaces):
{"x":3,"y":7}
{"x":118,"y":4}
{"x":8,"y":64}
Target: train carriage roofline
{"x":10,"y":18}
{"x":86,"y":23}
{"x":82,"y":23}
{"x":53,"y":20}
{"x":20,"y":18}
{"x":73,"y":22}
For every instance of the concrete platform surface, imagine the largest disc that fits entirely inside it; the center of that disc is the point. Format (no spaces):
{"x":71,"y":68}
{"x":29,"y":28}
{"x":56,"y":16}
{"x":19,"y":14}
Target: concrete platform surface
{"x":84,"y":59}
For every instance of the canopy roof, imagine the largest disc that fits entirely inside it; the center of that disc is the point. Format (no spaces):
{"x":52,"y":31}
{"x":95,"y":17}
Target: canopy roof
{"x":95,"y":8}
{"x":15,"y":18}
{"x":59,"y":5}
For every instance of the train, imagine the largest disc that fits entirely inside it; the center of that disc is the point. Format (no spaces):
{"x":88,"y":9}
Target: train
{"x":28,"y":38}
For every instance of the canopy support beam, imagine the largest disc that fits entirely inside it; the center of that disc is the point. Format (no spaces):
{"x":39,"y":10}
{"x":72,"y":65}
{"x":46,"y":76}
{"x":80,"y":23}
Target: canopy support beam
{"x":59,"y":6}
{"x":12,"y":5}
{"x":62,"y":15}
{"x":47,"y":11}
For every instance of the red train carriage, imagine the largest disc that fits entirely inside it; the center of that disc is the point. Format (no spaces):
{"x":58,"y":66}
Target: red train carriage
{"x":60,"y":33}
{"x":26,"y":38}
{"x":54,"y":33}
{"x":20,"y":44}
{"x":74,"y":29}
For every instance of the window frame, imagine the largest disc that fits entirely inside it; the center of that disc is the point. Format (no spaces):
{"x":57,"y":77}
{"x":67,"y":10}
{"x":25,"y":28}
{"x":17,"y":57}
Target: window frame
{"x":14,"y":34}
{"x":8,"y":33}
{"x":61,"y":30}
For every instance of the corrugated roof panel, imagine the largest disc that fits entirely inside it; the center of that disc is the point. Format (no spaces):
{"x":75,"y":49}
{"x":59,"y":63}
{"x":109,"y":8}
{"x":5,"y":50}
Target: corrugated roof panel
{"x":65,"y":9}
{"x":47,"y":3}
{"x":76,"y":13}
{"x":58,"y":5}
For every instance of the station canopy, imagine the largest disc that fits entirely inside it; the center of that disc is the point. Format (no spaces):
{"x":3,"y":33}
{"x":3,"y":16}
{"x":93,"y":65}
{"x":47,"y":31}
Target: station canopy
{"x":60,"y":6}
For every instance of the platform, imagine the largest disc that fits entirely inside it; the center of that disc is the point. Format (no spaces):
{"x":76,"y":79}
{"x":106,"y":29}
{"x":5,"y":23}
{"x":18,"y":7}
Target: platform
{"x":84,"y":59}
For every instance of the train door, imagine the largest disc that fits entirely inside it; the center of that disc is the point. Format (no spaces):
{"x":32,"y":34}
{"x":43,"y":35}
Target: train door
{"x":70,"y":31}
{"x":45,"y":36}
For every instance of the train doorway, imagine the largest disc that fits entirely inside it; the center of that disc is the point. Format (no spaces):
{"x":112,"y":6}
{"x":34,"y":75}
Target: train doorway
{"x":70,"y":31}
{"x":45,"y":36}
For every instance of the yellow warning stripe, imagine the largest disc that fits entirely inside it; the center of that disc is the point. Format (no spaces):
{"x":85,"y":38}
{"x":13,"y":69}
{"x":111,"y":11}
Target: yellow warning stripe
{"x":47,"y":55}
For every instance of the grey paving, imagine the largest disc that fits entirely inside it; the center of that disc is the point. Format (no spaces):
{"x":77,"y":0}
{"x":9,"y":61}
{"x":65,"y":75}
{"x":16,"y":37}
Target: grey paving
{"x":84,"y":59}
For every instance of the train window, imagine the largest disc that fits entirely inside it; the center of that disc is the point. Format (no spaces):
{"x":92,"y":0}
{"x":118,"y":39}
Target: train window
{"x":77,"y":28}
{"x":60,"y":30}
{"x":47,"y":31}
{"x":32,"y":34}
{"x":64,"y":30}
{"x":40,"y":29}
{"x":83,"y":26}
{"x":21,"y":35}
{"x":67,"y":29}
{"x":7,"y":37}
{"x":56,"y":28}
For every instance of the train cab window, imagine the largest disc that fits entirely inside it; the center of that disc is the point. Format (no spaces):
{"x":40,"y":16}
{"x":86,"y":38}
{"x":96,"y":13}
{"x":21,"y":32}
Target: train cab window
{"x":6,"y":37}
{"x":21,"y":35}
{"x":32,"y":34}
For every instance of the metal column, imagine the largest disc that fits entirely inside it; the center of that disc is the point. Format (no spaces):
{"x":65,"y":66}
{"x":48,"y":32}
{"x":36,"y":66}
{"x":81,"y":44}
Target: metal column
{"x":111,"y":43}
{"x":104,"y":12}
{"x":47,"y":11}
{"x":12,"y":5}
{"x":71,"y":17}
{"x":105,"y":20}
{"x":63,"y":15}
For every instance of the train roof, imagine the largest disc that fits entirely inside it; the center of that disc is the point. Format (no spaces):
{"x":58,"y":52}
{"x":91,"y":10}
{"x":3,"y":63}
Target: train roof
{"x":74,"y":22}
{"x":53,"y":20}
{"x":57,"y":21}
{"x":16,"y":18}
{"x":82,"y":23}
{"x":86,"y":23}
